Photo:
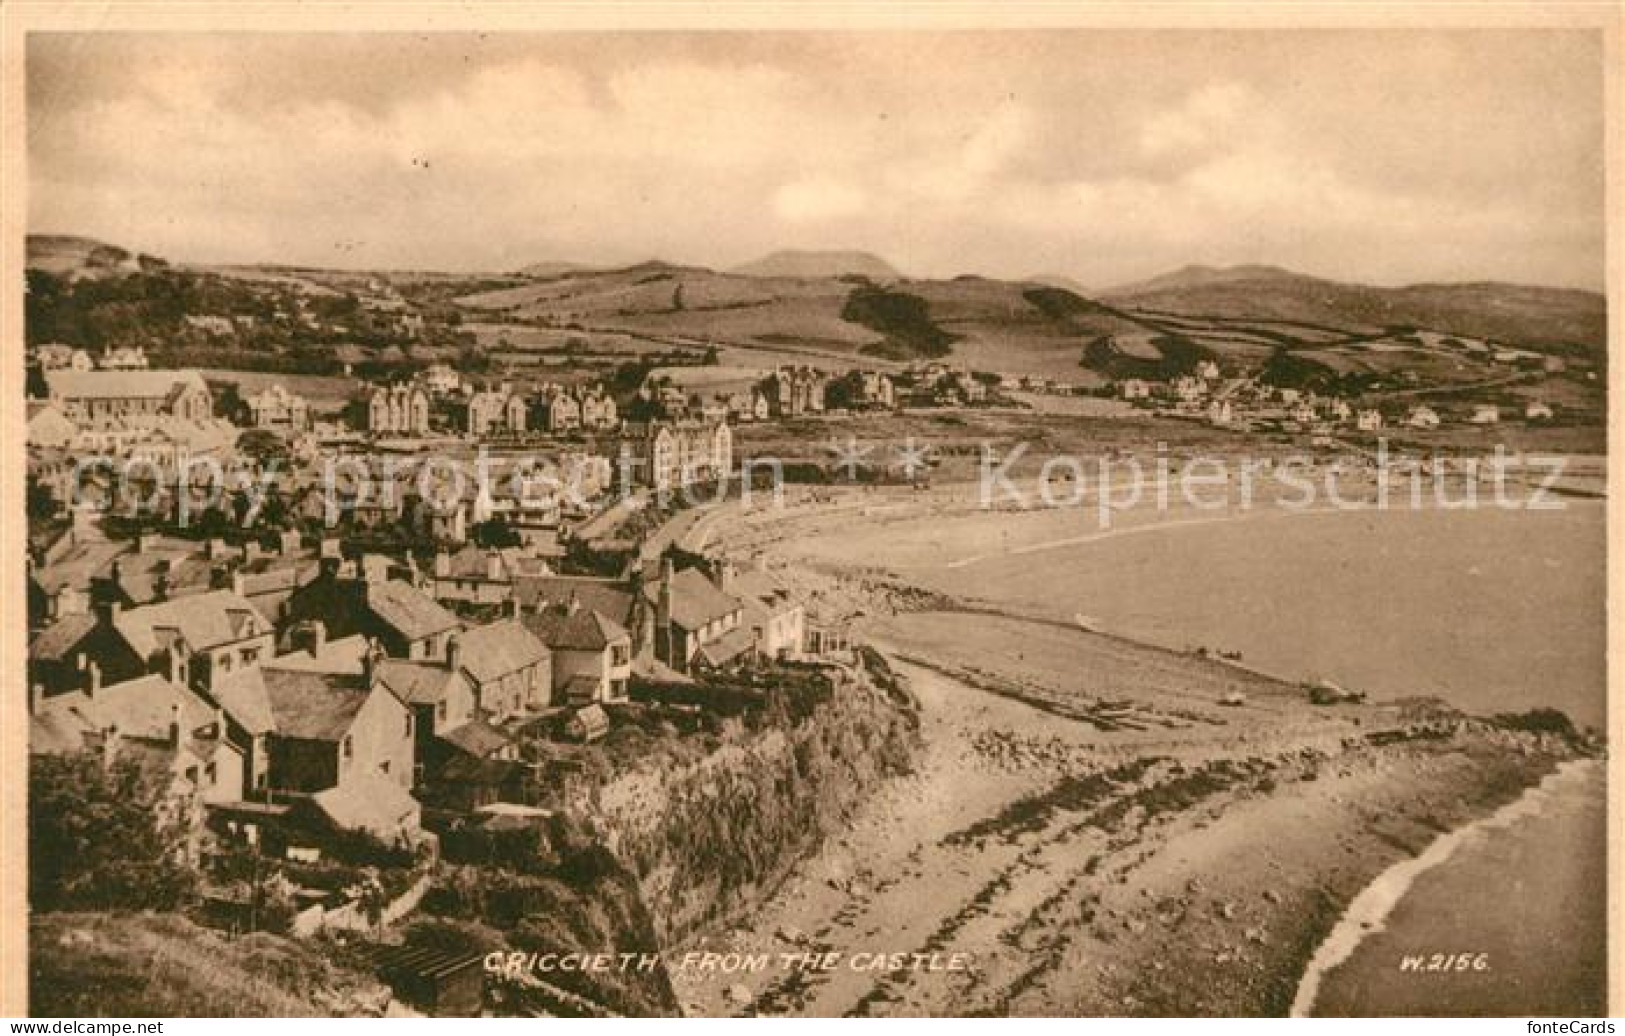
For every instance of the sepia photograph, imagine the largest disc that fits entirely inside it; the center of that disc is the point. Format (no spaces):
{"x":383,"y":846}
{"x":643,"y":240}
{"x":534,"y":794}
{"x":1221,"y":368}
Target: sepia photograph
{"x":683,"y":513}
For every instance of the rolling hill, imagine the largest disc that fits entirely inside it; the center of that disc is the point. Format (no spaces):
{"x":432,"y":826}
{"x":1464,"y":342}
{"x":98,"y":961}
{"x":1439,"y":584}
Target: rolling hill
{"x":809,"y":264}
{"x":1547,"y":319}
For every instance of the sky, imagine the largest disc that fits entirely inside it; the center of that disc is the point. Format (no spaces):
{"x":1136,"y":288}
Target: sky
{"x":1381,"y":157}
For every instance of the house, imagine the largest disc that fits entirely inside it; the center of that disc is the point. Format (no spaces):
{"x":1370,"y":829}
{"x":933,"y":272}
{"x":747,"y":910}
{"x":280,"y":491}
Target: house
{"x":442,"y":380}
{"x":1133,"y":389}
{"x":276,"y":409}
{"x":497,"y":411}
{"x":1485,"y":415}
{"x":598,"y":411}
{"x":398,"y":410}
{"x":1537,"y":411}
{"x":480,"y":575}
{"x":591,"y":653}
{"x":54,"y":356}
{"x":1208,"y":370}
{"x":771,"y":611}
{"x":151,"y":713}
{"x":196,"y":639}
{"x":61,"y":583}
{"x":97,"y":395}
{"x":1219,"y":412}
{"x":561,"y":413}
{"x":795,"y":391}
{"x":667,"y":455}
{"x":1369,"y":421}
{"x":747,"y":407}
{"x":871,"y":390}
{"x":373,"y":804}
{"x":329,"y":729}
{"x":1422,"y":417}
{"x":448,"y":723}
{"x":588,"y":723}
{"x":58,"y":654}
{"x":123,"y":358}
{"x":405,"y":620}
{"x":48,"y":426}
{"x":697,"y":625}
{"x":508,"y":667}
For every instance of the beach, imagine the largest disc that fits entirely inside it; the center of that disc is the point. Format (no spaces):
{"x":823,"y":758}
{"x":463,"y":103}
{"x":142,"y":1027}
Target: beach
{"x":1107,"y":824}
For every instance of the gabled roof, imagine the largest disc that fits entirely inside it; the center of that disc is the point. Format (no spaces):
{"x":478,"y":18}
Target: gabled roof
{"x":203,"y":621}
{"x":160,"y":384}
{"x":242,"y":694}
{"x":580,"y":630}
{"x":477,"y":738}
{"x":343,"y":655}
{"x":695,"y":600}
{"x":726,"y":648}
{"x":314,"y":706}
{"x":416,"y":683}
{"x":140,"y":708}
{"x":607,"y":597}
{"x":61,"y":637}
{"x":368,"y":802}
{"x":408,"y":610}
{"x":492,"y":652}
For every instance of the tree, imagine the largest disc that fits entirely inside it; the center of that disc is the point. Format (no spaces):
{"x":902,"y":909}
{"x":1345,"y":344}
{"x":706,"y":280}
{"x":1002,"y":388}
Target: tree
{"x":228,"y":401}
{"x":496,"y":532}
{"x":98,"y":840}
{"x":264,"y":447}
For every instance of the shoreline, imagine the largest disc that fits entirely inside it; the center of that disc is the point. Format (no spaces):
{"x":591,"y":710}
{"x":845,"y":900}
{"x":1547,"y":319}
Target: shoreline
{"x":1368,"y":913}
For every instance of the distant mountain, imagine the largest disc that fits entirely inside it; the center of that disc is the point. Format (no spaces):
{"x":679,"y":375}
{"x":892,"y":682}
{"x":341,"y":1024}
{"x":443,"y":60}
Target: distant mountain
{"x":554,"y":268}
{"x":792,"y":263}
{"x":74,"y":257}
{"x":1535,"y":317}
{"x":1057,"y":280}
{"x":1197,"y":276}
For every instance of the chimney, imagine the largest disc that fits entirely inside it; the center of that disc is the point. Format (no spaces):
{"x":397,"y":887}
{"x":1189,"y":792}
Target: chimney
{"x":93,"y":680}
{"x":330,"y":547}
{"x":288,"y":542}
{"x":174,"y":724}
{"x":370,"y":671}
{"x":239,"y":585}
{"x":312,"y":635}
{"x":514,"y":608}
{"x":110,"y":740}
{"x":493,"y":565}
{"x":725,"y":574}
{"x":219,"y":723}
{"x":177,"y":667}
{"x":215,"y":549}
{"x":663,"y":637}
{"x":454,"y":652}
{"x":144,"y":542}
{"x":442,"y":564}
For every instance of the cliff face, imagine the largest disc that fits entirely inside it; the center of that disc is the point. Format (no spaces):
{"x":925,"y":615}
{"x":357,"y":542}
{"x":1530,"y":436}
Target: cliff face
{"x":711,"y":836}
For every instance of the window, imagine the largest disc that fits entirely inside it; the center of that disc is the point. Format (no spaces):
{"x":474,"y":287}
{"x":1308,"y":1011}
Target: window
{"x":348,"y":746}
{"x":251,"y":655}
{"x":408,"y":724}
{"x":440,"y":711}
{"x":383,"y":767}
{"x":225,"y":663}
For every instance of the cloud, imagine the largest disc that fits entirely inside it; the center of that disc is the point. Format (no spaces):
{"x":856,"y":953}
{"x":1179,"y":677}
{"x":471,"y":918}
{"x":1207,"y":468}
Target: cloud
{"x":817,"y":200}
{"x":1101,"y":155}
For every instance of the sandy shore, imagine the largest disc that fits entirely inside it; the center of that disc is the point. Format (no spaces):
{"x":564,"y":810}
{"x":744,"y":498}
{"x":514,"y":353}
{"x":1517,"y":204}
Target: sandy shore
{"x":1186,"y":869}
{"x":1092,"y":829}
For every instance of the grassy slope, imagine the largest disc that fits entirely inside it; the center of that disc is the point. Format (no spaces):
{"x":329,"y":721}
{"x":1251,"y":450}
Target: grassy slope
{"x":160,"y":965}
